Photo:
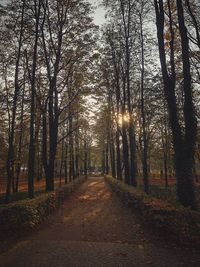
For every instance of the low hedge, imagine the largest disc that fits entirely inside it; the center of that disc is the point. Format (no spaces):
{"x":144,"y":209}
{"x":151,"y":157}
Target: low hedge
{"x":24,"y":215}
{"x":182,"y":224}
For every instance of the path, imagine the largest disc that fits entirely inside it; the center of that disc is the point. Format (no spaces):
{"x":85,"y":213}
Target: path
{"x":93,"y":228}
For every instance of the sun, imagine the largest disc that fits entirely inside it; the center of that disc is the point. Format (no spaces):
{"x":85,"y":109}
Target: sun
{"x":123,"y":118}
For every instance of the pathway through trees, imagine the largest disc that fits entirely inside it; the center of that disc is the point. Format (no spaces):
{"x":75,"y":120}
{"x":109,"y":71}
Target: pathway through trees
{"x":94,"y":228}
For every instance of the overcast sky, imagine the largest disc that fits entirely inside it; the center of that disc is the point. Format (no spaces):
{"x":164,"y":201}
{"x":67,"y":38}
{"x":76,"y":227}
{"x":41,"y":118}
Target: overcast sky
{"x":3,"y":1}
{"x":98,"y":15}
{"x":99,"y":12}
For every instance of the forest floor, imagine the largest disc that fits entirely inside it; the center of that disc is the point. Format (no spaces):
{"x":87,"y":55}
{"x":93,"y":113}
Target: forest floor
{"x":39,"y":185}
{"x":94,"y":228}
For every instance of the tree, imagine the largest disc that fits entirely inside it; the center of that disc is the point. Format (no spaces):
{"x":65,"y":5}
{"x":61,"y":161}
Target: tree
{"x":183,"y":141}
{"x":10,"y":156}
{"x":37,"y":6}
{"x":70,"y":25}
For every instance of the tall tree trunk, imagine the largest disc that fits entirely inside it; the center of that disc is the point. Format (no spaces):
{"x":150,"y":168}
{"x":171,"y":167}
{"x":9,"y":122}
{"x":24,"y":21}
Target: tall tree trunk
{"x":112,"y":154}
{"x":131,"y":128}
{"x":118,"y":156}
{"x":185,"y":187}
{"x":71,"y":150}
{"x":62,"y":159}
{"x":165,"y":148}
{"x":18,"y":169}
{"x":132,"y":145}
{"x":76,"y":153}
{"x":44,"y":148}
{"x":118,"y":101}
{"x":52,"y":73}
{"x":85,"y":158}
{"x":143,"y":116}
{"x":10,"y":155}
{"x":183,"y":143}
{"x":66,"y":162}
{"x":107,"y":158}
{"x":103,"y":165}
{"x":31,"y":156}
{"x":125,"y":155}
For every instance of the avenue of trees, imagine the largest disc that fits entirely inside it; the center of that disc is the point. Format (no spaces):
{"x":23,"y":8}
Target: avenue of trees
{"x":149,"y":73}
{"x":142,"y":67}
{"x":45,"y":71}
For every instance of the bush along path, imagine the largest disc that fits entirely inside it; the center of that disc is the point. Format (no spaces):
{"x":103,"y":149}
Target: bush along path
{"x":174,"y":221}
{"x":24,"y":215}
{"x":94,"y":228}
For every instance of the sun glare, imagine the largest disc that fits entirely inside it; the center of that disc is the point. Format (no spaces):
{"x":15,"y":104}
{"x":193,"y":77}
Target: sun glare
{"x":123,"y":118}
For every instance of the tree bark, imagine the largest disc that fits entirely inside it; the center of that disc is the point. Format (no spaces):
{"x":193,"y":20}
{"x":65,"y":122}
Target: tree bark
{"x":10,"y":155}
{"x":31,"y":156}
{"x":143,"y":116}
{"x":183,"y":143}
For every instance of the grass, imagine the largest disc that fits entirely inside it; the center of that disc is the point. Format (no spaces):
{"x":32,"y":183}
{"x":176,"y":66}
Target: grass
{"x":21,"y":195}
{"x":168,"y":193}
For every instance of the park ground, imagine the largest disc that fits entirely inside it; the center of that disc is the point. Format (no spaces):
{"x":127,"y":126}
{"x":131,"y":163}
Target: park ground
{"x":94,"y":228}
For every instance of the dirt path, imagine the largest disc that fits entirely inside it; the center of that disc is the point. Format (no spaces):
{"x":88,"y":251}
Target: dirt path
{"x":93,"y":228}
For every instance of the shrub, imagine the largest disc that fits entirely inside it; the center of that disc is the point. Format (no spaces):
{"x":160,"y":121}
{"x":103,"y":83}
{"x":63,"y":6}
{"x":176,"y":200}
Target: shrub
{"x":181,"y":223}
{"x":24,"y":215}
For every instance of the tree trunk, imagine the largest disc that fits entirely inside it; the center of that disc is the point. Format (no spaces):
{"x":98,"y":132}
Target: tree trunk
{"x":143,"y":116}
{"x":184,"y":143}
{"x":18,"y":169}
{"x":66,"y":163}
{"x":31,"y":157}
{"x":61,"y":160}
{"x":85,"y":159}
{"x":186,"y":187}
{"x":77,"y":155}
{"x":103,"y":165}
{"x":107,"y":158}
{"x":125,"y":155}
{"x":112,"y":155}
{"x":118,"y":156}
{"x":10,"y":155}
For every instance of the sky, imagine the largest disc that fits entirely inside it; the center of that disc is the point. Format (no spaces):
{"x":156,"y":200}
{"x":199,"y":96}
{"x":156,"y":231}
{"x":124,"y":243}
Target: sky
{"x":99,"y":12}
{"x":3,"y":2}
